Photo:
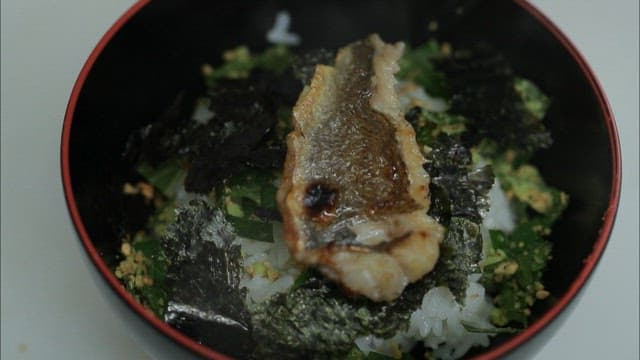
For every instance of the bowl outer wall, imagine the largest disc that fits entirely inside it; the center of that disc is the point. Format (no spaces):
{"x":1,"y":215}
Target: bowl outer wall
{"x":589,"y":263}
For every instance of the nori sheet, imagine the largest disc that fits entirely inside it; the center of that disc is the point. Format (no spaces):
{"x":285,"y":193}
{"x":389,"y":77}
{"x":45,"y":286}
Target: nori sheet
{"x":203,"y":280}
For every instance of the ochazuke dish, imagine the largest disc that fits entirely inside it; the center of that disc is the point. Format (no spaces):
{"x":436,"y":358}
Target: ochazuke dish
{"x":372,"y":201}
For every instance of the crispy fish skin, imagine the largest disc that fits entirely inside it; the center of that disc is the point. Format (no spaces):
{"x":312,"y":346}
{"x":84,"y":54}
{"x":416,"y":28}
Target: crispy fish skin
{"x":354,"y":195}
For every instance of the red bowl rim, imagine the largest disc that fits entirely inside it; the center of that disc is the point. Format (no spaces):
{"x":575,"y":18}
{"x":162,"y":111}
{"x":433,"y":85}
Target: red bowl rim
{"x":589,"y":263}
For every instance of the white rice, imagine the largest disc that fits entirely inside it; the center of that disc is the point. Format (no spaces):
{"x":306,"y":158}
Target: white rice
{"x":202,"y":114}
{"x":279,"y":33}
{"x":411,"y":94}
{"x":183,"y":197}
{"x":438,"y":324}
{"x":500,"y":216}
{"x":276,"y":256}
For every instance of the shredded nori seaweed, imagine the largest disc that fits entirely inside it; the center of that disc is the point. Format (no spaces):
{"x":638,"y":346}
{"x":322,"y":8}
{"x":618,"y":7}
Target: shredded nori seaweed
{"x":459,"y":200}
{"x":168,"y":136}
{"x":241,"y":134}
{"x":203,"y":280}
{"x":457,"y":189}
{"x":460,"y":255}
{"x":484,"y":89}
{"x":247,"y":117}
{"x":317,"y":320}
{"x":249,"y":109}
{"x":304,"y":65}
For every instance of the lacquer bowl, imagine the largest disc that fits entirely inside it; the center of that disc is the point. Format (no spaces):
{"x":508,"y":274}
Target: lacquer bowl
{"x":157,"y":48}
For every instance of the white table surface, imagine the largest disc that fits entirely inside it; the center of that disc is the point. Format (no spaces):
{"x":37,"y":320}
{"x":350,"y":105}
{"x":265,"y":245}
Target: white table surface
{"x":52,"y":309}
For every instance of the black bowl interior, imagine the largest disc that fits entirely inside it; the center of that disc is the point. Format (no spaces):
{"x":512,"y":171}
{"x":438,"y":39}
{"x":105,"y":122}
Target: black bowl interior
{"x":160,"y":50}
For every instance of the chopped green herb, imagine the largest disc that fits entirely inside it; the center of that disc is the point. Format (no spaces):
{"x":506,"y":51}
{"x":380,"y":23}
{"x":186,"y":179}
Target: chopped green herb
{"x":144,"y":271}
{"x":162,"y":218}
{"x":284,"y":125}
{"x":522,"y":181}
{"x":516,"y":280}
{"x":514,"y":265}
{"x":166,"y":177}
{"x":501,"y":106}
{"x":302,"y":279}
{"x":252,"y":229}
{"x":534,"y":100}
{"x":276,"y":58}
{"x":417,"y":65}
{"x":357,"y":354}
{"x":254,"y":185}
{"x":268,"y":196}
{"x":435,"y":123}
{"x":443,"y":118}
{"x":239,"y":62}
{"x":155,"y":298}
{"x":157,"y":261}
{"x":251,"y":191}
{"x":496,"y":330}
{"x":244,"y":194}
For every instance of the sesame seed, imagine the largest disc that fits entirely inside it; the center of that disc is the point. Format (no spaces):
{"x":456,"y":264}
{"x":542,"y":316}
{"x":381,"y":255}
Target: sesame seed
{"x":542,"y":294}
{"x":126,"y":249}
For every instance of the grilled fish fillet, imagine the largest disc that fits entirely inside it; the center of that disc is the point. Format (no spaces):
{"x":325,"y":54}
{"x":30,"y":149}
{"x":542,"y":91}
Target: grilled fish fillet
{"x":355,"y":195}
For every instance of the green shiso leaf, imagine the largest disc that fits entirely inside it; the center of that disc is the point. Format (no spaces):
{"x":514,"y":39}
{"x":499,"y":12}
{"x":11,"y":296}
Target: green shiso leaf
{"x":250,"y":197}
{"x":252,"y":229}
{"x":254,"y":185}
{"x":516,"y":280}
{"x":154,"y":297}
{"x":268,"y":196}
{"x":514,"y":266}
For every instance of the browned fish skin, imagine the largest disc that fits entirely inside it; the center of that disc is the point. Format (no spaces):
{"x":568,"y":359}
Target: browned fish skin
{"x":354,"y":194}
{"x":376,"y":182}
